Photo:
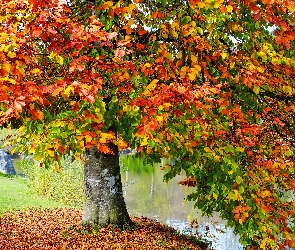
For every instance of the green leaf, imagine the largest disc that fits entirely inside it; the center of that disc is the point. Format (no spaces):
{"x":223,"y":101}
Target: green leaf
{"x":239,"y":179}
{"x":200,"y":30}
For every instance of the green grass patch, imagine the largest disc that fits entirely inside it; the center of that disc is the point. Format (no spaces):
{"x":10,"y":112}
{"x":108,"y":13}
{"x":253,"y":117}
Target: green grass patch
{"x":16,"y":195}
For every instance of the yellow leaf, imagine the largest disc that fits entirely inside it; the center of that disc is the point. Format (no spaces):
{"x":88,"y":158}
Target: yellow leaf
{"x":235,"y":27}
{"x":132,"y":6}
{"x":121,"y":144}
{"x":52,"y":55}
{"x":174,"y":25}
{"x":217,"y":5}
{"x":3,"y":36}
{"x":265,"y":193}
{"x":207,"y":149}
{"x":288,"y":90}
{"x":60,"y":60}
{"x":256,"y":89}
{"x":201,"y":5}
{"x":159,"y":118}
{"x":262,"y":244}
{"x":11,"y":54}
{"x":71,"y":126}
{"x":6,"y":66}
{"x":102,"y":140}
{"x":130,"y":22}
{"x":22,"y":129}
{"x":224,"y":55}
{"x":144,"y":142}
{"x":217,"y":158}
{"x":88,"y":138}
{"x":11,"y":80}
{"x":174,"y":34}
{"x":35,"y":71}
{"x":51,"y":153}
{"x":57,"y":168}
{"x":166,"y":105}
{"x":70,"y":89}
{"x":78,"y":157}
{"x":261,"y":54}
{"x":197,"y":68}
{"x":229,"y":8}
{"x":151,"y":86}
{"x":165,"y":35}
{"x":108,"y":136}
{"x":40,"y":115}
{"x":192,"y":76}
{"x":194,"y":58}
{"x":234,"y":195}
{"x":109,"y":3}
{"x":260,"y":69}
{"x":252,"y":67}
{"x":230,"y":172}
{"x":179,"y":55}
{"x":241,"y":149}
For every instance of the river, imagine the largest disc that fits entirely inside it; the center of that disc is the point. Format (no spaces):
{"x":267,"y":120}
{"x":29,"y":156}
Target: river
{"x":147,"y":195}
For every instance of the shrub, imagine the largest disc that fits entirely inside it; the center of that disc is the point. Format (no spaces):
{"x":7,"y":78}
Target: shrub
{"x":65,"y":186}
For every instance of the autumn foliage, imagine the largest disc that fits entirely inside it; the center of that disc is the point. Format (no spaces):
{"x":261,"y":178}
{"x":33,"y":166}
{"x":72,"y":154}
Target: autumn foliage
{"x":210,"y":83}
{"x":60,"y":229}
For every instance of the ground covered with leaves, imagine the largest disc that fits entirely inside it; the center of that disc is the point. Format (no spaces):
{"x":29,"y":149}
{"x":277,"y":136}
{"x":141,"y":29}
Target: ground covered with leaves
{"x":60,"y":229}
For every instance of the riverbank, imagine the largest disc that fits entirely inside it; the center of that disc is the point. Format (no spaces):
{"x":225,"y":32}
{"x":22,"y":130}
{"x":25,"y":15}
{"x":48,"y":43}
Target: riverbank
{"x":48,"y":225}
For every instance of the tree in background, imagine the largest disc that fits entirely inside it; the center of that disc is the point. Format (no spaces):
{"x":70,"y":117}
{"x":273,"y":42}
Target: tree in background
{"x":210,"y":83}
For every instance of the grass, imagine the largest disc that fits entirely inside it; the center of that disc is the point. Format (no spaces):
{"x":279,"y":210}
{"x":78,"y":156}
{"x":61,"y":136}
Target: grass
{"x":16,"y":195}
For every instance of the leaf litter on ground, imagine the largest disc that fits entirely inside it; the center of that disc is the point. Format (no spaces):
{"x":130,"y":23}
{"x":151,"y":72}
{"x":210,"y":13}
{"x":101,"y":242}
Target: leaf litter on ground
{"x":61,"y":229}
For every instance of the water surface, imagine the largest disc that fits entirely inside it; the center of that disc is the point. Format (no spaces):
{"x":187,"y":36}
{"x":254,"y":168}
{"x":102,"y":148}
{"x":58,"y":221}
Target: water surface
{"x":147,"y":195}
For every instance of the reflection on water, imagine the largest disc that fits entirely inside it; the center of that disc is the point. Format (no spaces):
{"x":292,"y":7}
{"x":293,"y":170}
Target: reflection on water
{"x":147,"y":195}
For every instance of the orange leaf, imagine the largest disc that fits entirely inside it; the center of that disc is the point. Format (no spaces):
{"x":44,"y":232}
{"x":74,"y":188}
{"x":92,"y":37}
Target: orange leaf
{"x":237,"y":216}
{"x":57,"y":168}
{"x":265,"y":208}
{"x":154,"y":15}
{"x":141,"y":32}
{"x":104,"y":149}
{"x":148,"y":150}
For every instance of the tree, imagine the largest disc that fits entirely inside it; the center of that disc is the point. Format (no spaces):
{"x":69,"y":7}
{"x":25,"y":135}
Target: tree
{"x":210,"y":83}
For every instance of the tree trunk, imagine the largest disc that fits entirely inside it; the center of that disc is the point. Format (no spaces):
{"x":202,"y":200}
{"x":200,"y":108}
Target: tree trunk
{"x":105,"y":203}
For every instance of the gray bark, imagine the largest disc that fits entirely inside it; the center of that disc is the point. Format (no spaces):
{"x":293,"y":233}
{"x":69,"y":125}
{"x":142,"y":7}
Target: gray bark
{"x":105,"y":203}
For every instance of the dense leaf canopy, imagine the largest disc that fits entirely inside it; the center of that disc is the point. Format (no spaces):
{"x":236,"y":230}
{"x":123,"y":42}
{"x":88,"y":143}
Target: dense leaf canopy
{"x":210,"y":83}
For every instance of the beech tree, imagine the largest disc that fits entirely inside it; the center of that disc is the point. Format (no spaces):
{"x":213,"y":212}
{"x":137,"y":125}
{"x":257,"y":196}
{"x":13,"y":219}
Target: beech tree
{"x":209,"y":83}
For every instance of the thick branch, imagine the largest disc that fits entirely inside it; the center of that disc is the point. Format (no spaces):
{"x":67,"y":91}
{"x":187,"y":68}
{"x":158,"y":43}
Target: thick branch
{"x":276,"y":96}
